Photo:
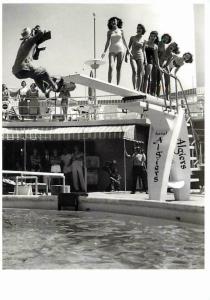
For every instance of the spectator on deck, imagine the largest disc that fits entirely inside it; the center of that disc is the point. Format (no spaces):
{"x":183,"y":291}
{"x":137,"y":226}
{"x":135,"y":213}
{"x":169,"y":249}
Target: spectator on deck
{"x":77,"y":170}
{"x":35,"y":161}
{"x":23,"y":90}
{"x":46,"y":166}
{"x":32,"y":96}
{"x":66,"y":165}
{"x":139,"y":168}
{"x":55,"y":162}
{"x":23,"y":104}
{"x":5,"y":92}
{"x":64,"y":95}
{"x":5,"y":99}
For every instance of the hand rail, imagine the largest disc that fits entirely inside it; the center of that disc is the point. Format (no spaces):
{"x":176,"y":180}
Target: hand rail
{"x":194,"y":133}
{"x":22,"y":173}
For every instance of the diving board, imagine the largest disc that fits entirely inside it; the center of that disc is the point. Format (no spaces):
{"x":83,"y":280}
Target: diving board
{"x":111,"y":88}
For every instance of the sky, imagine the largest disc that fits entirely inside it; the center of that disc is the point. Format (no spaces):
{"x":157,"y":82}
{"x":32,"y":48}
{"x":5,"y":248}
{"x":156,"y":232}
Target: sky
{"x":72,"y":30}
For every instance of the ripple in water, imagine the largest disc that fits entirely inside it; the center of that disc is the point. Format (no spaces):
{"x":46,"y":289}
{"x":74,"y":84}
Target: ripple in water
{"x":39,"y":239}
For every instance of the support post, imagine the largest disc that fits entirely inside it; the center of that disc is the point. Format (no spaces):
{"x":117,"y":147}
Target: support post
{"x":85,"y":165}
{"x":125,"y":169}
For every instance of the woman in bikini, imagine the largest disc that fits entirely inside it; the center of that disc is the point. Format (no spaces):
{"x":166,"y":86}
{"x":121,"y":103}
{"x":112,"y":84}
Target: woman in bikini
{"x":116,"y":44}
{"x":137,"y":45}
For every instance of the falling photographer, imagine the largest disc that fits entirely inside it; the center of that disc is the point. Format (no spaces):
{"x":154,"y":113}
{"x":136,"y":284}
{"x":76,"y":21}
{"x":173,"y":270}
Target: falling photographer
{"x":29,"y":51}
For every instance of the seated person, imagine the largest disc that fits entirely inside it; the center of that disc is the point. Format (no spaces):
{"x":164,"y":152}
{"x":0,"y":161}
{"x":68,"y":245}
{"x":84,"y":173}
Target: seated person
{"x":114,"y":176}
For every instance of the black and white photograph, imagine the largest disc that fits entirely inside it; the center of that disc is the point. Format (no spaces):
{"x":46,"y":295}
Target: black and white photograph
{"x":103,"y":143}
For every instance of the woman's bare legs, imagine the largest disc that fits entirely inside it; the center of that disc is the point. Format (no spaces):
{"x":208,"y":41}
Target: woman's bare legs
{"x":167,"y":85}
{"x":120,"y":57}
{"x":148,"y":71}
{"x":140,"y":74}
{"x":134,"y":72}
{"x":111,"y":66}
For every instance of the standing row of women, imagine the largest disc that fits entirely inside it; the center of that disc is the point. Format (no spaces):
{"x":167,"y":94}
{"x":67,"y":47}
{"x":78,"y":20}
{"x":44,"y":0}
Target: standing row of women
{"x":149,"y":59}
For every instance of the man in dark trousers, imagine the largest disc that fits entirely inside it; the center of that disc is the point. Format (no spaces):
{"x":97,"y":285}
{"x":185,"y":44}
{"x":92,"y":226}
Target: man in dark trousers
{"x":23,"y":67}
{"x":139,"y":168}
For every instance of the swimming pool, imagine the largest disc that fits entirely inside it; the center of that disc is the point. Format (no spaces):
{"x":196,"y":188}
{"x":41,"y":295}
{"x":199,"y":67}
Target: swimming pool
{"x":41,"y":239}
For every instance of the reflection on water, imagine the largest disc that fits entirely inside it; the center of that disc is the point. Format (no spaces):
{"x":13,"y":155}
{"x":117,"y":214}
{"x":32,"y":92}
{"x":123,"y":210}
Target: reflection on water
{"x":39,"y":239}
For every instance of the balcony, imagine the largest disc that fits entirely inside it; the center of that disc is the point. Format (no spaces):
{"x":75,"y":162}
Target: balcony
{"x":79,"y":109}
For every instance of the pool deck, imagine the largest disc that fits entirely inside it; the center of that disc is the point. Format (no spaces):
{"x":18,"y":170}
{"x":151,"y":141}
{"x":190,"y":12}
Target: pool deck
{"x":138,"y":204}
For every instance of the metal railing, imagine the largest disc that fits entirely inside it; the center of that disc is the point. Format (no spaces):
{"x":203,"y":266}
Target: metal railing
{"x":71,"y":112}
{"x":23,"y":174}
{"x":183,"y":104}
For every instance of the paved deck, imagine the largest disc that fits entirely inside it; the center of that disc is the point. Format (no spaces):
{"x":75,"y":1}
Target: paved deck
{"x":195,"y":199}
{"x":138,"y":204}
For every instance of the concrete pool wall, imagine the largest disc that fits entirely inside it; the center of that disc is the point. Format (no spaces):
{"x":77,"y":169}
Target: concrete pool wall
{"x":123,"y":203}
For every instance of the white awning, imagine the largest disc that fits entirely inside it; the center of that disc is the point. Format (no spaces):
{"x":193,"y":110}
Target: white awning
{"x":69,"y":133}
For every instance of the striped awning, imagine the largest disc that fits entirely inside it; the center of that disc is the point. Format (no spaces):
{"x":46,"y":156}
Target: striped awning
{"x":69,"y":133}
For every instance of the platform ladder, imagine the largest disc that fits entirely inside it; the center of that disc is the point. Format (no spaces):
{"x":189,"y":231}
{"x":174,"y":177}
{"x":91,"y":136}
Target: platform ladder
{"x":192,"y":134}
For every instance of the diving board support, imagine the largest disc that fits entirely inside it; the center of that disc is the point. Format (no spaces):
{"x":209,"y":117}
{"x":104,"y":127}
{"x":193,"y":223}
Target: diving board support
{"x":168,"y":155}
{"x":168,"y":152}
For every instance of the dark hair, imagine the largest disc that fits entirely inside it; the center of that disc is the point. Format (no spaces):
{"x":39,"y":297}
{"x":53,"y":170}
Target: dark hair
{"x":23,"y":81}
{"x":33,"y":84}
{"x":142,"y":27}
{"x":167,"y":35}
{"x":176,"y":48}
{"x":119,"y":23}
{"x":157,"y":38}
{"x":189,"y":60}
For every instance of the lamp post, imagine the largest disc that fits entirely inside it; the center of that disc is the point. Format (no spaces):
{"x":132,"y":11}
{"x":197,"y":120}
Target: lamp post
{"x":94,"y":63}
{"x":94,"y":35}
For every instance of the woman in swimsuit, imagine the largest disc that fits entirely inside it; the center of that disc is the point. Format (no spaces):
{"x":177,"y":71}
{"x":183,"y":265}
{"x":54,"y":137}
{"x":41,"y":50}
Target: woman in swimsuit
{"x":177,"y":62}
{"x":151,"y":50}
{"x":165,"y":40}
{"x":116,"y":43}
{"x":137,"y":45}
{"x":165,"y":61}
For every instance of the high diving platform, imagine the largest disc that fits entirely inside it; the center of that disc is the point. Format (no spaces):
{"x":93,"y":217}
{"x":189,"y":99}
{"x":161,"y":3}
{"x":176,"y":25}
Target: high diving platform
{"x":168,"y":149}
{"x":111,"y":88}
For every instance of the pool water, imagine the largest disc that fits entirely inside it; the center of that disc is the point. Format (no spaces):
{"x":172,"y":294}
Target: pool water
{"x":41,"y":239}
